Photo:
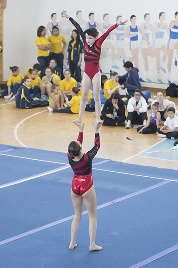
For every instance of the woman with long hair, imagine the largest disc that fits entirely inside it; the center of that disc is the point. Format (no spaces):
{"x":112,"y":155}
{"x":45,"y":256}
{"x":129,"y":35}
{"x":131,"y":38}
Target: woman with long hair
{"x":113,"y":113}
{"x":75,"y":49}
{"x":43,"y":47}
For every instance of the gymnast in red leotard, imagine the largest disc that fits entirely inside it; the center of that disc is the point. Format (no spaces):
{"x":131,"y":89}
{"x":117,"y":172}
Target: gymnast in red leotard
{"x":92,"y":75}
{"x":82,"y":185}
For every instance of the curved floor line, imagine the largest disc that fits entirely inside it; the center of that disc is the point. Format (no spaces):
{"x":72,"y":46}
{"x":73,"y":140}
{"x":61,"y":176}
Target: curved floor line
{"x":17,"y":126}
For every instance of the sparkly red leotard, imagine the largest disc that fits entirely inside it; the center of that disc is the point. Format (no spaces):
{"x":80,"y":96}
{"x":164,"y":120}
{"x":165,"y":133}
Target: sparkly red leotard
{"x":92,"y":53}
{"x":82,"y":180}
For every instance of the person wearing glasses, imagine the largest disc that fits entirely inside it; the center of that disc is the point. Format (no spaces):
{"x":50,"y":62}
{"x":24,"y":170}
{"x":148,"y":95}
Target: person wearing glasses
{"x":137,"y":110}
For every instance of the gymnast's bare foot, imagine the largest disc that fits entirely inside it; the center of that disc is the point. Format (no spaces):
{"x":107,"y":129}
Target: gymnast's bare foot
{"x":77,"y":121}
{"x":72,"y":245}
{"x":99,"y":121}
{"x":95,"y":247}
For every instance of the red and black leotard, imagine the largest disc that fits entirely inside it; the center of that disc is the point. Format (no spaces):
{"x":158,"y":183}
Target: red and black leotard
{"x":82,"y":180}
{"x":92,"y":53}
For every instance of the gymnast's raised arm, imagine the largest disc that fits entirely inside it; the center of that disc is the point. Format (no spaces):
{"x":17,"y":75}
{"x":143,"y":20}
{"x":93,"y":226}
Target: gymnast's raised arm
{"x":77,"y":26}
{"x":96,"y":146}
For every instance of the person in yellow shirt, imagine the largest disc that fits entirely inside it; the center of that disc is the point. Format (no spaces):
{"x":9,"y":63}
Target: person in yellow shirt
{"x":58,"y":80}
{"x":110,"y":85}
{"x":68,"y":83}
{"x":36,"y":67}
{"x":43,"y":47}
{"x":89,"y":95}
{"x":35,"y":83}
{"x":13,"y":83}
{"x":58,"y":48}
{"x":89,"y":107}
{"x":73,"y":105}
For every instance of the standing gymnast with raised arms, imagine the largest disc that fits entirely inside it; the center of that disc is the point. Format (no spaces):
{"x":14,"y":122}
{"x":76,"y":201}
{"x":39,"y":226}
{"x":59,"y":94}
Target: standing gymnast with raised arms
{"x":92,"y":75}
{"x":82,"y":185}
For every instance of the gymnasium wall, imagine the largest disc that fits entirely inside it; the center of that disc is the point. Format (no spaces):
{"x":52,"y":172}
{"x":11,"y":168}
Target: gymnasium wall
{"x":20,"y":23}
{"x":22,"y":18}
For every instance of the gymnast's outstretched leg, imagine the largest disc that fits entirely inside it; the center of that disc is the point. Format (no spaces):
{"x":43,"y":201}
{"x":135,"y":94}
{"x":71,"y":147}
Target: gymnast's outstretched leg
{"x":78,"y":207}
{"x":90,"y":201}
{"x":86,"y":84}
{"x":96,"y":91}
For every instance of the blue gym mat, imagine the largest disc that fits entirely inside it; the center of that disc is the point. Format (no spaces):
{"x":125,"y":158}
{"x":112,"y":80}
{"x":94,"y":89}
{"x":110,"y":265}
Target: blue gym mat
{"x":137,"y":213}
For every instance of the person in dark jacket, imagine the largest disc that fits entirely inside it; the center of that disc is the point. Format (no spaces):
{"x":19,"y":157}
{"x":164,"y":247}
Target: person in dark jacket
{"x":75,"y":50}
{"x":131,"y":79}
{"x":23,"y":99}
{"x":113,"y":113}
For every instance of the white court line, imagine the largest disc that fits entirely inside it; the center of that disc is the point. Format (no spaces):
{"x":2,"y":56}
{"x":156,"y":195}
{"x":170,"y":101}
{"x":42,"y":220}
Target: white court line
{"x":34,"y":159}
{"x":155,"y":257}
{"x":42,"y":160}
{"x":7,"y":103}
{"x":11,"y":239}
{"x":34,"y":176}
{"x":158,"y":158}
{"x":153,"y":152}
{"x":43,"y":174}
{"x":4,"y":151}
{"x":128,"y":158}
{"x":17,"y":126}
{"x":132,"y":174}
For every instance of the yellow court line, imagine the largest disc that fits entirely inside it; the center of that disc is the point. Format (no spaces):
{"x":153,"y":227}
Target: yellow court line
{"x":57,"y":136}
{"x":168,"y":151}
{"x":69,"y":137}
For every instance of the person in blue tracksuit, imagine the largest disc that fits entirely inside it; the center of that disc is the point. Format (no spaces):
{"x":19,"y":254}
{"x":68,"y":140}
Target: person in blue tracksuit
{"x":75,"y":50}
{"x":23,"y":99}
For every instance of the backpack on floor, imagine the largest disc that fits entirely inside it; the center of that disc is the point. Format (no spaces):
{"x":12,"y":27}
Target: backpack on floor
{"x":90,"y":108}
{"x":172,"y":90}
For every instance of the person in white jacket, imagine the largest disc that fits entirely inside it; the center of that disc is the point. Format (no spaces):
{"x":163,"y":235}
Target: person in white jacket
{"x":137,"y":110}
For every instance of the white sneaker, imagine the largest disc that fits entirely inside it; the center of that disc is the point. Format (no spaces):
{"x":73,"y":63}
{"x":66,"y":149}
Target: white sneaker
{"x":65,"y":105}
{"x":7,"y":97}
{"x":128,"y":125}
{"x":13,"y":97}
{"x":175,"y":147}
{"x":50,"y":109}
{"x":161,"y":136}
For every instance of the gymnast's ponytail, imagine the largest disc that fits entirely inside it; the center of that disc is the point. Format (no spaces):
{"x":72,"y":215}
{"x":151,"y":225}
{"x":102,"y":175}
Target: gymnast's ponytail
{"x":14,"y":68}
{"x":75,"y":90}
